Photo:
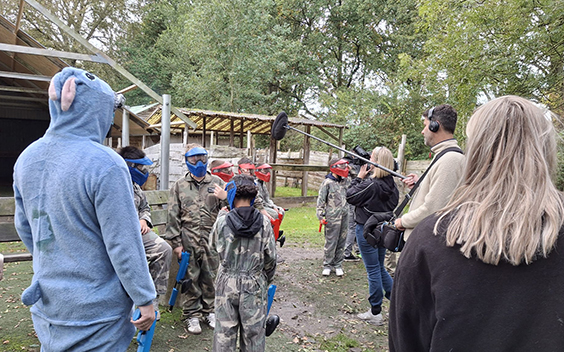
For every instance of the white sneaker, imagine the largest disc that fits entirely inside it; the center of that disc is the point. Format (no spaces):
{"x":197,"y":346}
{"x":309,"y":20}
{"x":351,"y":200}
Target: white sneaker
{"x":326,"y":272}
{"x":194,"y":326}
{"x":339,"y":272}
{"x":371,"y":318}
{"x":211,"y":320}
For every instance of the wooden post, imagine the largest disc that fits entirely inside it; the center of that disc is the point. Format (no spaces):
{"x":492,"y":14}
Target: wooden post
{"x":306,"y":161}
{"x":241,"y":134}
{"x":232,"y":134}
{"x":341,"y":154}
{"x":185,"y":136}
{"x":401,"y":153}
{"x":272,"y":159}
{"x":204,"y":132}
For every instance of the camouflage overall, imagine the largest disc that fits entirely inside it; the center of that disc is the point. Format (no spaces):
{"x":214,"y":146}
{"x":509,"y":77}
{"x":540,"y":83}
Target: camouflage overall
{"x":157,"y":251}
{"x":247,"y":267}
{"x":192,"y":211}
{"x":267,"y":202}
{"x":332,"y":206}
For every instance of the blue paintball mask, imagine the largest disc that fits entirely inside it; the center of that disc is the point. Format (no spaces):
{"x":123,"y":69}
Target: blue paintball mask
{"x":231,"y":188}
{"x":197,"y":161}
{"x":138,"y":170}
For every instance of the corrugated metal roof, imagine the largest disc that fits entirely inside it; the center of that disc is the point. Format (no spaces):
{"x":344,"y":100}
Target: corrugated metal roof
{"x":220,"y":121}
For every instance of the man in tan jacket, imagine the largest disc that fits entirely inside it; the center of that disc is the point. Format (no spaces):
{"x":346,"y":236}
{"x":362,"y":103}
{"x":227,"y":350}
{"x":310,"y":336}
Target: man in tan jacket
{"x":436,"y":188}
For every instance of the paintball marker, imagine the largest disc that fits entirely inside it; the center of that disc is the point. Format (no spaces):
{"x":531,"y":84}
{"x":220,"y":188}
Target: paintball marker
{"x":144,"y":338}
{"x":181,"y":284}
{"x":321,"y":223}
{"x":271,"y":321}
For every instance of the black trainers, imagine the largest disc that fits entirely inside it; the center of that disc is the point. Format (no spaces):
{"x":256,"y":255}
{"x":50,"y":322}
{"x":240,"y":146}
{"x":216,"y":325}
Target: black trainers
{"x":351,"y":258}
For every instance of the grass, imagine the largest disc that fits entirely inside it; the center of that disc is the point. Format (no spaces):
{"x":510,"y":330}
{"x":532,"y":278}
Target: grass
{"x":303,"y":227}
{"x":293,"y":192}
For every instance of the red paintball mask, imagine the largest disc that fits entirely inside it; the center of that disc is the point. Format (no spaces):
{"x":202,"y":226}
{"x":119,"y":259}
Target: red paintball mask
{"x":223,"y":171}
{"x":263,"y":172}
{"x":249,"y":167}
{"x":340,"y":168}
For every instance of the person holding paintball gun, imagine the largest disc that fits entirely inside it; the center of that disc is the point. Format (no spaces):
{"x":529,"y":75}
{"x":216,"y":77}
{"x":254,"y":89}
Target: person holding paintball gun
{"x":246,"y":247}
{"x":333,"y":212}
{"x":263,"y":173}
{"x":193,"y":205}
{"x":157,"y":251}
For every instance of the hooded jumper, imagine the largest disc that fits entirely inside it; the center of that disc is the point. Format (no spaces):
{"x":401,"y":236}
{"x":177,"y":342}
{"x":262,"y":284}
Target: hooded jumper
{"x":76,"y":215}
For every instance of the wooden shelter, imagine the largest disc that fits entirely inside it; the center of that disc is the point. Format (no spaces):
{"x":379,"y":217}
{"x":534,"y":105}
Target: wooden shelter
{"x":239,"y":125}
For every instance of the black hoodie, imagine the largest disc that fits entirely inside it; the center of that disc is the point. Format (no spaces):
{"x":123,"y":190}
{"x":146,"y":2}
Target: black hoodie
{"x":244,"y":221}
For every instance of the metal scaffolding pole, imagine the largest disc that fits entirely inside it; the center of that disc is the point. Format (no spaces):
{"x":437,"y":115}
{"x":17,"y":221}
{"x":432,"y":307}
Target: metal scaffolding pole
{"x":165,"y":142}
{"x":125,"y":127}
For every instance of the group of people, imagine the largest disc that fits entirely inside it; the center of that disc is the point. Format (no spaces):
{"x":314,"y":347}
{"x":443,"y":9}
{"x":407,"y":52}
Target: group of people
{"x":480,"y":269}
{"x":81,"y":212}
{"x":372,"y":192}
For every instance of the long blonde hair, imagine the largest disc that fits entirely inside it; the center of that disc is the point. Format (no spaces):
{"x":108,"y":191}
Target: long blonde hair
{"x":506,"y":206}
{"x":382,"y":156}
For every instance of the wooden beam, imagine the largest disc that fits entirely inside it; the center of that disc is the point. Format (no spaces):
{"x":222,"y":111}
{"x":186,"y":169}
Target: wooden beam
{"x":327,"y":133}
{"x":241,"y":133}
{"x":109,"y":60}
{"x":272,"y":161}
{"x":298,"y":167}
{"x":16,"y":30}
{"x":19,"y":98}
{"x":23,"y":90}
{"x":21,"y":49}
{"x":25,"y":76}
{"x":204,"y":131}
{"x":127,"y":89}
{"x":306,"y":161}
{"x":232,"y":133}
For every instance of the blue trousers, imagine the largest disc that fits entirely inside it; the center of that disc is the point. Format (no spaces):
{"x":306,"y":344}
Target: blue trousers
{"x":379,"y":281}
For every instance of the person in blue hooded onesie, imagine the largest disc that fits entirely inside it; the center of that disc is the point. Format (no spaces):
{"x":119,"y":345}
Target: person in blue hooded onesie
{"x":75,"y":214}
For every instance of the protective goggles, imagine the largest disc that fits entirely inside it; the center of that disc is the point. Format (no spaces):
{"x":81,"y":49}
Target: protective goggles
{"x":264,"y":168}
{"x":196,"y":154}
{"x":139,"y":164}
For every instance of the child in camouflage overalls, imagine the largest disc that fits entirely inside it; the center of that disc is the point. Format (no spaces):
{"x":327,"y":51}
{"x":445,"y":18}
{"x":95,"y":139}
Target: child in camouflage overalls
{"x":333,"y":212}
{"x":245,"y":243}
{"x":157,"y":251}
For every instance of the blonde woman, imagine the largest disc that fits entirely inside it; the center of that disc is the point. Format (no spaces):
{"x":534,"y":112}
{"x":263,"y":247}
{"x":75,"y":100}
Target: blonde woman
{"x":486,"y":272}
{"x":375,"y":194}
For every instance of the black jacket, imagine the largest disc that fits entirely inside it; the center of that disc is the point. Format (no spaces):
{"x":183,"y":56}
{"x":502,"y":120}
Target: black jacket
{"x":372,"y":195}
{"x":443,"y":301}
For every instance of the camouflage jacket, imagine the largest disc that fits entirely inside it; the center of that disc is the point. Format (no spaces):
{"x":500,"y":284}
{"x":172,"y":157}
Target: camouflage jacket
{"x":141,"y":204}
{"x":264,"y":195}
{"x":332,"y":199}
{"x":244,"y":256}
{"x":192,"y":211}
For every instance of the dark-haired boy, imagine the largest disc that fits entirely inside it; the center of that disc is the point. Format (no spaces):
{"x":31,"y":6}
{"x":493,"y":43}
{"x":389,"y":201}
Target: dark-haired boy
{"x":246,"y":247}
{"x":157,"y":251}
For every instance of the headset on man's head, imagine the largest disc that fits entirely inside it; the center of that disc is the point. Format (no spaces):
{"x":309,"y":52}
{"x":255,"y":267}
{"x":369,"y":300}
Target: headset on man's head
{"x":433,"y":124}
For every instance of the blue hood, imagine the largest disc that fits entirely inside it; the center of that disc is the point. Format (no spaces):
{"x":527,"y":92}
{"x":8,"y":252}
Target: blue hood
{"x":77,"y":120}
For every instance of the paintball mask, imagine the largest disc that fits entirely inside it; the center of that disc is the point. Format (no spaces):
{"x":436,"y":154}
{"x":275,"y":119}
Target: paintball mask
{"x":249,"y":167}
{"x":197,"y":161}
{"x":231,"y":188}
{"x":263,"y":172}
{"x":223,"y":171}
{"x":138,"y":169}
{"x":340,"y":168}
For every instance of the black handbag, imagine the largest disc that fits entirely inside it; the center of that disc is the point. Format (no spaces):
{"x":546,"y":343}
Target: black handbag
{"x":381,"y":232}
{"x":372,"y":231}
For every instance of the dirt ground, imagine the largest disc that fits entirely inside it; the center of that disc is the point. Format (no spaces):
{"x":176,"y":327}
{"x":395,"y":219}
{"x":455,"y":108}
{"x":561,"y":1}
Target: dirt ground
{"x":317,"y":313}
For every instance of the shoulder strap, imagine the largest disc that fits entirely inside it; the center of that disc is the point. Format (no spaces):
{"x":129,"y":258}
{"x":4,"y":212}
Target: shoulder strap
{"x":408,"y":196}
